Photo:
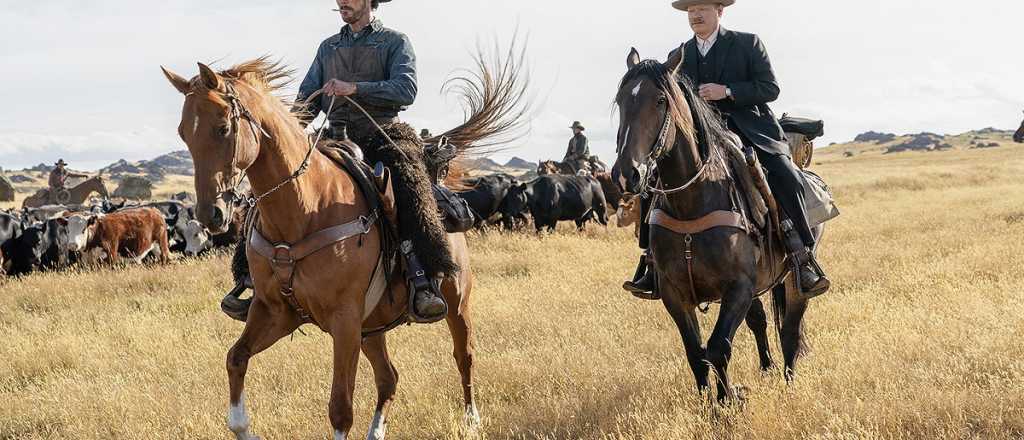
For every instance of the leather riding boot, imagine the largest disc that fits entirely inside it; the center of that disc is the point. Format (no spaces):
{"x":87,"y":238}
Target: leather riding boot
{"x":813,"y":281}
{"x":644,"y":282}
{"x":233,"y":305}
{"x":428,"y":304}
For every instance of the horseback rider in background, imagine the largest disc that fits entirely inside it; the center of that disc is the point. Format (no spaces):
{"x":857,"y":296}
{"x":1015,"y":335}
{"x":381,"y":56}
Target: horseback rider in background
{"x":58,"y":181}
{"x":577,"y":156}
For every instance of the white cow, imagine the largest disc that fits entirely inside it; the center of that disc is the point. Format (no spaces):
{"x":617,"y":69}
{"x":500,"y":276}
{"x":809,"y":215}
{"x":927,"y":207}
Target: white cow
{"x":197,"y":238}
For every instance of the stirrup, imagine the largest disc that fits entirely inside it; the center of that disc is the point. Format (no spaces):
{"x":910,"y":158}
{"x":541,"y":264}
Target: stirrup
{"x":234,"y":306}
{"x":422,"y":285}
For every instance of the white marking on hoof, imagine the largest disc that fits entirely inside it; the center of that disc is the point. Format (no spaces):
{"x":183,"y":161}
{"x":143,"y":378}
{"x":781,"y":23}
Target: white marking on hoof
{"x":338,"y":435}
{"x":238,"y":420}
{"x":472,"y":416}
{"x":378,"y":427}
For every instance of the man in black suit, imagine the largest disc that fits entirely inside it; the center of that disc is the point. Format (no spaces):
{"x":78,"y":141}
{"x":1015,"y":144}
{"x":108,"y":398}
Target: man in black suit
{"x":734,"y":75}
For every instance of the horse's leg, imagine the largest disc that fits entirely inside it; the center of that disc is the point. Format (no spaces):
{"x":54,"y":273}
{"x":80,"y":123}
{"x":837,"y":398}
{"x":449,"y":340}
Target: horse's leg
{"x":347,"y":342}
{"x":685,"y":317}
{"x":735,"y":305}
{"x":262,"y":329}
{"x":386,"y":377}
{"x":461,"y":328}
{"x":792,"y":333}
{"x":757,"y":320}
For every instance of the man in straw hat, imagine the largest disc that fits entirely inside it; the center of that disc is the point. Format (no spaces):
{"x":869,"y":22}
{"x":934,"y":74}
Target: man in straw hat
{"x":578,"y":153}
{"x":733,"y":74}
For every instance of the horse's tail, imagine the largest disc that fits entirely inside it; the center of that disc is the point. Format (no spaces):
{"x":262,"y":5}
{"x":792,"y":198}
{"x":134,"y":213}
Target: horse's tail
{"x":495,"y":103}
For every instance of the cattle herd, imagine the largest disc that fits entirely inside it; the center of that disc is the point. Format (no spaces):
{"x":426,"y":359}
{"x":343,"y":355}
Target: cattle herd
{"x":503,"y":200}
{"x":58,"y":237}
{"x":102,"y":231}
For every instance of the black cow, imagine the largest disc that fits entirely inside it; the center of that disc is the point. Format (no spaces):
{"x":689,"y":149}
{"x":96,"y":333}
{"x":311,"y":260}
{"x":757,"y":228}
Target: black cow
{"x":486,"y":195}
{"x":41,"y":246}
{"x":553,"y":198}
{"x":10,"y":230}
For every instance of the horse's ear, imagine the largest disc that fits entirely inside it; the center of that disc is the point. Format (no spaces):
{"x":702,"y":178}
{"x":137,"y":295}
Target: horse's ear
{"x":675,"y":59}
{"x":177,"y":81}
{"x":633,"y":58}
{"x":210,"y":78}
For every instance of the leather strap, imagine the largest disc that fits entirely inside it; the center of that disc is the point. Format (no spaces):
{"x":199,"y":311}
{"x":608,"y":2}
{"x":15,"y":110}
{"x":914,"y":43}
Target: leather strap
{"x":283,"y":256}
{"x":713,"y":220}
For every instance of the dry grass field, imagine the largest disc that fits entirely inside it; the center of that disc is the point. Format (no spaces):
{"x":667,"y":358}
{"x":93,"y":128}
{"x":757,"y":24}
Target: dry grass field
{"x":921,"y":336}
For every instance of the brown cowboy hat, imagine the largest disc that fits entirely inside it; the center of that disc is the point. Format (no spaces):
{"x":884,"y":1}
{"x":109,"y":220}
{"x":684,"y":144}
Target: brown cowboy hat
{"x":684,"y":5}
{"x":576,"y":124}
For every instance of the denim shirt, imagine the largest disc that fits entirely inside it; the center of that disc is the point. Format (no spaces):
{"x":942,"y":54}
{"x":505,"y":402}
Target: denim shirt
{"x":396,"y":55}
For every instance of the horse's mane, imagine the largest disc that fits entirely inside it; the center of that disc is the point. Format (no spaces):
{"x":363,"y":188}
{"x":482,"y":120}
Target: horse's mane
{"x":704,"y":124}
{"x":262,"y":74}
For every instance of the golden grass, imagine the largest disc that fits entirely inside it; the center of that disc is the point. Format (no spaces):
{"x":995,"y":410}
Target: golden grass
{"x":920,"y":338}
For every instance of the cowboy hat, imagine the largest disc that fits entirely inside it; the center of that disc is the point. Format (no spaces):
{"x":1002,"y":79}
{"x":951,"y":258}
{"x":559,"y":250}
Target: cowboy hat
{"x":61,"y":162}
{"x":576,"y":124}
{"x":684,"y":5}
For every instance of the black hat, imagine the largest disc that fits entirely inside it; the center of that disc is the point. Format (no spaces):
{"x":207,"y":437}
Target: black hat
{"x":576,"y":124}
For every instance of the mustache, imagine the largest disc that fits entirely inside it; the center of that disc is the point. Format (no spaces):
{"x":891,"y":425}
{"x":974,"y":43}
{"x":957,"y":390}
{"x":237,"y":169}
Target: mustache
{"x":698,"y":21}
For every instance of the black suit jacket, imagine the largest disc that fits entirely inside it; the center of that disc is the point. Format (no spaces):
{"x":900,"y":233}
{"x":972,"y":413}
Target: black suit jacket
{"x":743,"y":66}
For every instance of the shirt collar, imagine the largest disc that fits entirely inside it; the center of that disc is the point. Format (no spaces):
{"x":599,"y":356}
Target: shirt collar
{"x":711,"y":39}
{"x":374,"y":26}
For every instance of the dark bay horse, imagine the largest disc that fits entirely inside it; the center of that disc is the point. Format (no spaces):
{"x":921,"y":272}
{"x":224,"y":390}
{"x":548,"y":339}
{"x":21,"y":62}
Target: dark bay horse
{"x":1018,"y":137}
{"x":665,"y":123}
{"x":234,"y":124}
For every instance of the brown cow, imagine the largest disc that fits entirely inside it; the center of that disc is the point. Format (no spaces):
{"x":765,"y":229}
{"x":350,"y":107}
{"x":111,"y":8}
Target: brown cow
{"x":132,"y":233}
{"x":629,"y":213}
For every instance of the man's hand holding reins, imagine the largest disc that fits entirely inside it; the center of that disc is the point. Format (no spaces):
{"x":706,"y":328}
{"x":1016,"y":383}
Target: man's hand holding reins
{"x":336,"y":87}
{"x":713,"y":92}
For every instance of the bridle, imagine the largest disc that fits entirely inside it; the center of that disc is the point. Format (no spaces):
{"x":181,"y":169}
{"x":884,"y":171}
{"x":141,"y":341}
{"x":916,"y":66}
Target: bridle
{"x":238,"y":113}
{"x":659,"y":150}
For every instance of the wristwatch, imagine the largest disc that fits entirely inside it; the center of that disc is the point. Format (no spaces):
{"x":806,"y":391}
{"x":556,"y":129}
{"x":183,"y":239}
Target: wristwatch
{"x":728,"y":92}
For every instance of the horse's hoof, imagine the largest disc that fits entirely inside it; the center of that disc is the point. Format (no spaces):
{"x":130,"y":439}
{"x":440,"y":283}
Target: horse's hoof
{"x":472,"y":418}
{"x":739,"y":393}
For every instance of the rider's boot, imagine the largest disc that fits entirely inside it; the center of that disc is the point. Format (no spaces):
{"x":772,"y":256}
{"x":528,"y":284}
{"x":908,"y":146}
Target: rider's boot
{"x":428,"y":304}
{"x":233,"y":305}
{"x":811,"y":277}
{"x":644,"y":282}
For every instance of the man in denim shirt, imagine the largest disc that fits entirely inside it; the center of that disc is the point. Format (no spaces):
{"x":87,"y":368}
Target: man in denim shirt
{"x":376,"y":67}
{"x":373,"y":65}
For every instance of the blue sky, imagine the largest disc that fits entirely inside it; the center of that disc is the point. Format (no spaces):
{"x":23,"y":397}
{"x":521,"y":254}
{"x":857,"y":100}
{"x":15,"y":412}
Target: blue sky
{"x":81,"y":80}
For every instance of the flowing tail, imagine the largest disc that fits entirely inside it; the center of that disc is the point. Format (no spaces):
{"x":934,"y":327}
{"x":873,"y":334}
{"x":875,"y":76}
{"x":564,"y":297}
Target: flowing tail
{"x":496,"y":106}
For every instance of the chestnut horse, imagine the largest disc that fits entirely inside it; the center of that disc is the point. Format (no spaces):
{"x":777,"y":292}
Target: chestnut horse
{"x":664,"y":123}
{"x":1018,"y":137}
{"x":78,"y":193}
{"x":233,"y":125}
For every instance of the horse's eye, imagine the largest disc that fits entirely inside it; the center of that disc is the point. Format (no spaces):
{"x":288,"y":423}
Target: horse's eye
{"x":224,"y":130}
{"x":662,"y":100}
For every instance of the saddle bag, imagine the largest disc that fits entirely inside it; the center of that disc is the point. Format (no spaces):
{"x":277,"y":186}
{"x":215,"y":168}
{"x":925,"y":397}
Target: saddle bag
{"x":455,"y":212}
{"x":808,"y":127}
{"x":818,"y":200}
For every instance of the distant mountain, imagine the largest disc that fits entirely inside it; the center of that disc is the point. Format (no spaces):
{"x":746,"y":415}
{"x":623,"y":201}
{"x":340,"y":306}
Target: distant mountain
{"x":889,"y":143}
{"x":519,"y":163}
{"x":484,"y":164}
{"x":176,"y":163}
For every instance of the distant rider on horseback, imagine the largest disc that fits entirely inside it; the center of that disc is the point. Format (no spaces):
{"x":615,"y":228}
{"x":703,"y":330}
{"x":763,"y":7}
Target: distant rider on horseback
{"x":58,"y":181}
{"x":577,"y":155}
{"x":736,"y":78}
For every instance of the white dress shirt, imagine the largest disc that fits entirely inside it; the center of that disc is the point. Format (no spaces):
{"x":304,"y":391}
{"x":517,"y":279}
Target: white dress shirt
{"x":704,"y":46}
